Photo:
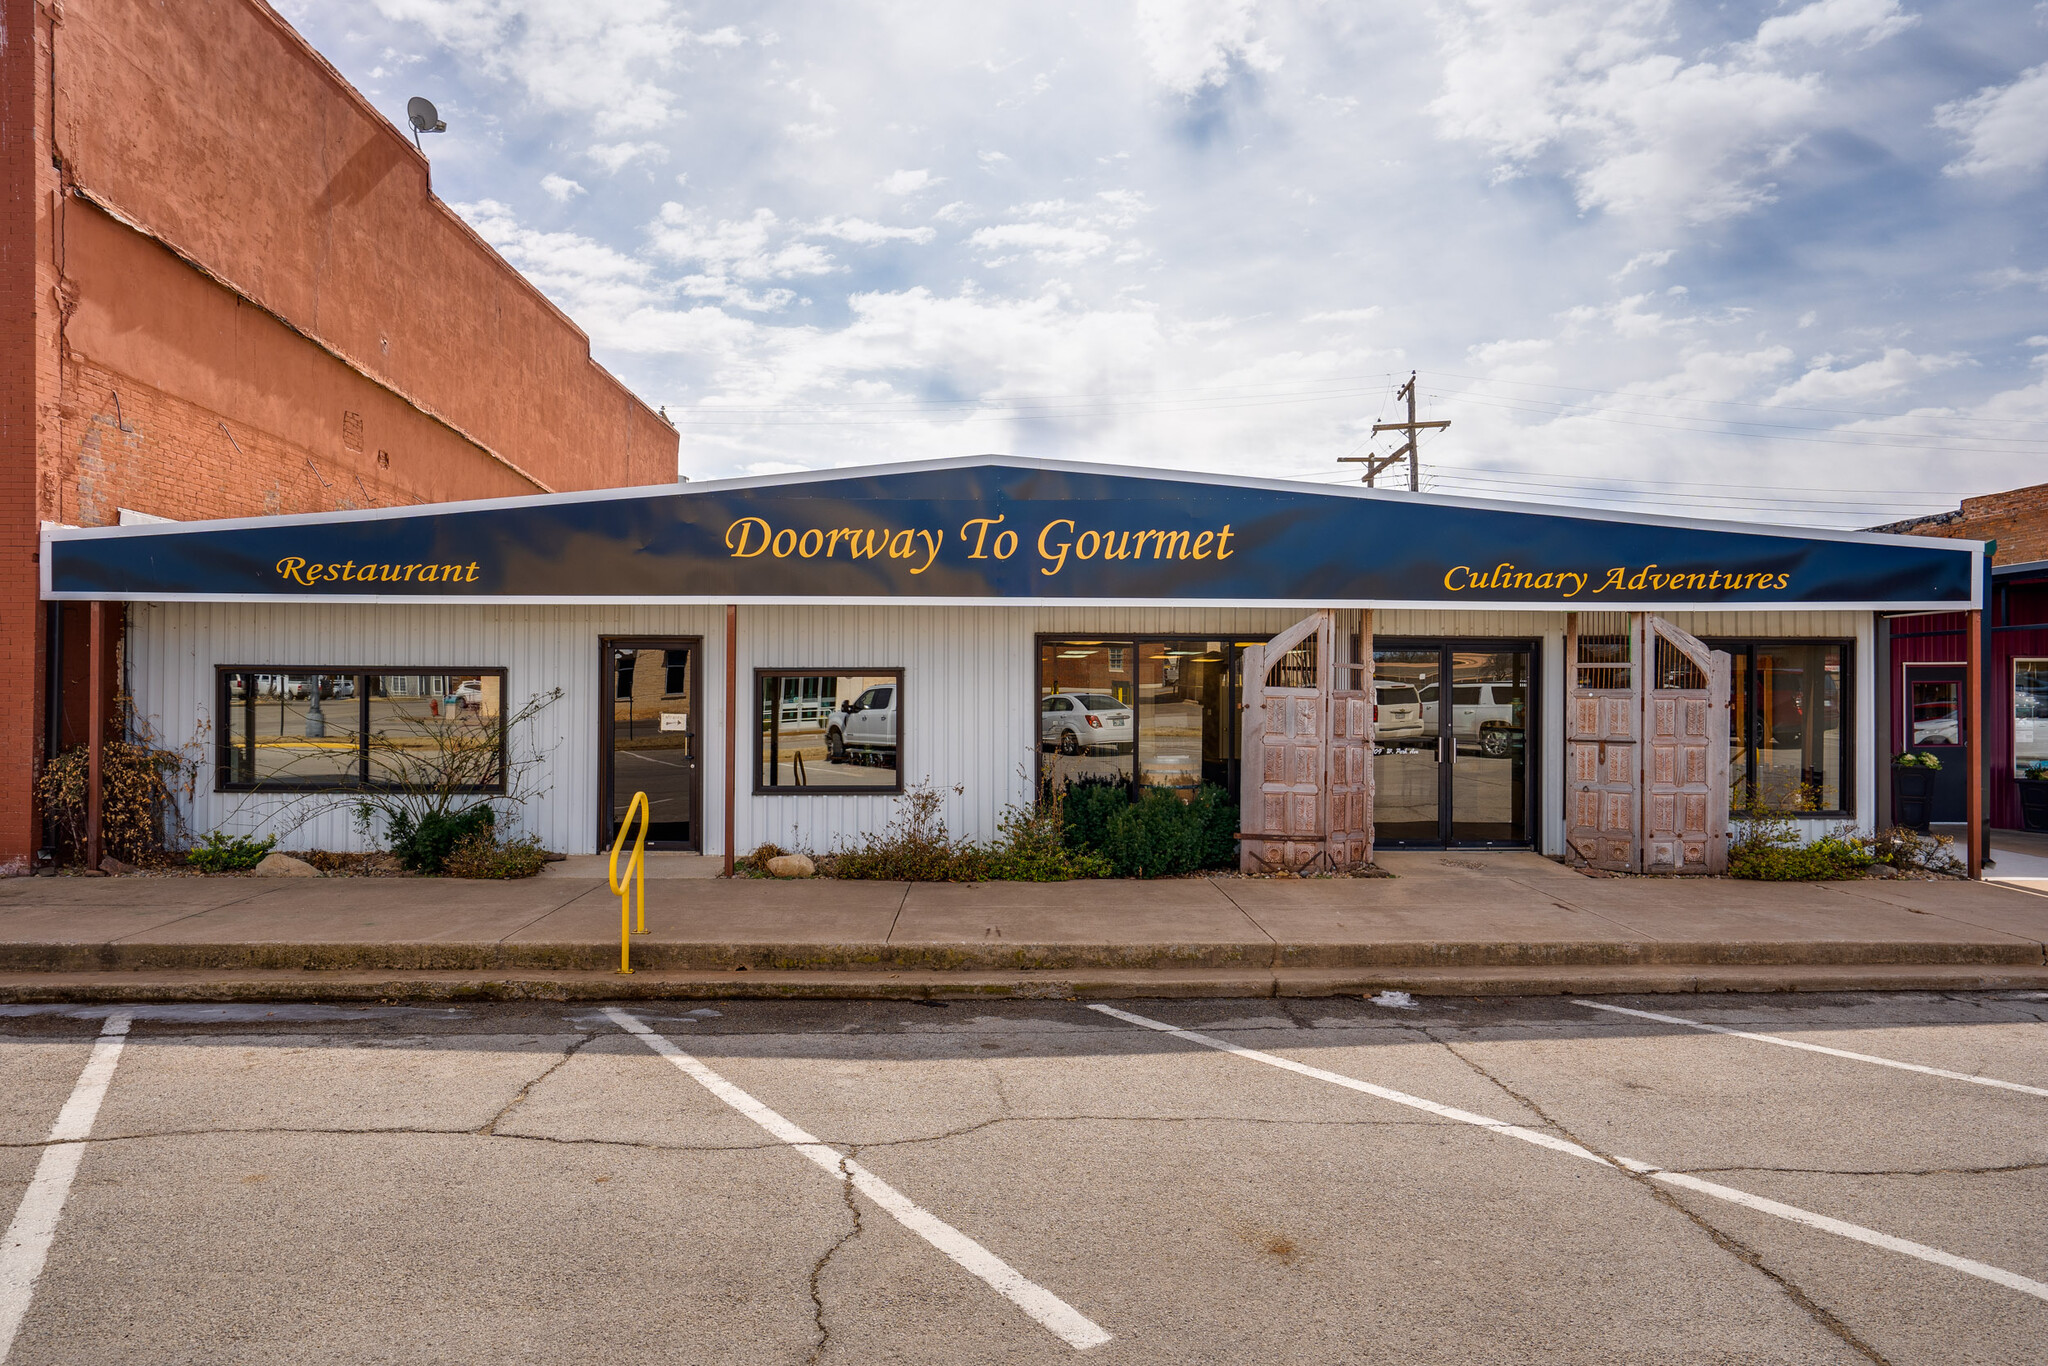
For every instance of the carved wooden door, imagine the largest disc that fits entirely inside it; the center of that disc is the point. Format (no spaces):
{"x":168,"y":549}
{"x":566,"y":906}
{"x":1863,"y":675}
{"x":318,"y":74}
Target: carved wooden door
{"x":1349,"y":784}
{"x":1603,"y":716}
{"x":1285,"y":745}
{"x":1685,"y":781}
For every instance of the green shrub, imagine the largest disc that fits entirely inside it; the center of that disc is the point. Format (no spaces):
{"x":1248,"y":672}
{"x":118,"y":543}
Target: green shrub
{"x":1159,"y":835}
{"x":1086,"y":809}
{"x":424,"y":847}
{"x":220,"y":854}
{"x":1030,"y":846}
{"x":1769,"y":845}
{"x":479,"y":855}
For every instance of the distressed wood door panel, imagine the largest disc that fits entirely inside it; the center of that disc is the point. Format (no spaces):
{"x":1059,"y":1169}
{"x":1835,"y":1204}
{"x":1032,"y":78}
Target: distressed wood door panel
{"x":1603,"y":716}
{"x":1686,"y":719}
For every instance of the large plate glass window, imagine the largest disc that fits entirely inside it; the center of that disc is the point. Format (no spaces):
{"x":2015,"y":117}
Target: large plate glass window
{"x":1087,"y":721}
{"x":828,"y":730}
{"x":303,"y":730}
{"x":1790,"y":717}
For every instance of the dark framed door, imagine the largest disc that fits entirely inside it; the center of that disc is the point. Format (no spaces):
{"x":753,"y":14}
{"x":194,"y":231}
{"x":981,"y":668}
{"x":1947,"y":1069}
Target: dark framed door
{"x":1937,"y":723}
{"x":1454,"y":743}
{"x":650,"y":710}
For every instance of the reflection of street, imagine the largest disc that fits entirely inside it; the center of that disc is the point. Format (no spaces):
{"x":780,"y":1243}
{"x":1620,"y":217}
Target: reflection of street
{"x":1170,"y":743}
{"x":1485,"y":797}
{"x":1061,"y":769}
{"x":664,"y":775}
{"x":819,"y":771}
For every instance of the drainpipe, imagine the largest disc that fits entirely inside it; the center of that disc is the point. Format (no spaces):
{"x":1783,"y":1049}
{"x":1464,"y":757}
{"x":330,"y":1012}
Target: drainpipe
{"x":96,"y":733}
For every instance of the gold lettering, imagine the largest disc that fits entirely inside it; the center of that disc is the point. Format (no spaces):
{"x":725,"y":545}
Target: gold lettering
{"x":1045,"y":554}
{"x":472,"y":573}
{"x":745,"y":527}
{"x":931,"y":541}
{"x":1223,"y":551}
{"x":1784,"y":580}
{"x":451,"y":573}
{"x":783,"y":552}
{"x":1202,"y":544}
{"x":874,"y":548}
{"x":833,"y":548}
{"x":1522,"y":581}
{"x":1172,"y":545}
{"x":984,"y":523}
{"x":409,"y":570}
{"x":1578,"y":582}
{"x":814,"y":539}
{"x":901,"y":545}
{"x":1450,"y":587}
{"x":1092,"y":541}
{"x":1009,"y":536}
{"x":429,"y":573}
{"x":292,"y":567}
{"x":1614,"y":580}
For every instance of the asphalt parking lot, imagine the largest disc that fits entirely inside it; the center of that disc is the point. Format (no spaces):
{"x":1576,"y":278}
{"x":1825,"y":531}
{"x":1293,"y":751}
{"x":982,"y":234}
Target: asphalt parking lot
{"x":1451,"y":1180}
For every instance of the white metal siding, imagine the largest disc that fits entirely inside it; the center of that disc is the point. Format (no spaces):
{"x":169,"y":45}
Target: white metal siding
{"x":969,"y":713}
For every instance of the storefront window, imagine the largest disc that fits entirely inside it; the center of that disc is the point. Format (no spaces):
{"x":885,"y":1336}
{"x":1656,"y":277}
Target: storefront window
{"x":421,"y":725}
{"x":823,"y":731}
{"x":2029,"y":715}
{"x":1183,"y":725}
{"x":1789,"y":714}
{"x":1087,"y":724}
{"x":301,"y":731}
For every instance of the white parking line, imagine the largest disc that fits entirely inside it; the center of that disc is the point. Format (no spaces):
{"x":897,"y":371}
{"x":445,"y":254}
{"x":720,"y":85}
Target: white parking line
{"x":1982,"y":1270}
{"x":1814,"y":1048}
{"x":27,"y":1241}
{"x":1045,"y":1308}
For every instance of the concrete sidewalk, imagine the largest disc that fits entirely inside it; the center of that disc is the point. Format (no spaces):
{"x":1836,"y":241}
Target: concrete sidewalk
{"x":1457,"y":922}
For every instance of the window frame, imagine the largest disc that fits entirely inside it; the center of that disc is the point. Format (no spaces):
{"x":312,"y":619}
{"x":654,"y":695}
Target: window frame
{"x":360,"y":675}
{"x":1742,"y":783}
{"x":759,"y":725}
{"x":2012,"y":716}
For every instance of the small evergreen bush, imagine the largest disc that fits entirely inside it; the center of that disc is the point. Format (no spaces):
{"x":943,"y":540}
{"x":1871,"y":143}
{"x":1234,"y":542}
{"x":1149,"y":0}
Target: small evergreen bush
{"x":423,"y":847}
{"x":220,"y":854}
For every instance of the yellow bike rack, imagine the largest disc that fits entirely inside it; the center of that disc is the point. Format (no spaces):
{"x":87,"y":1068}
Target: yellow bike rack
{"x":636,"y":876}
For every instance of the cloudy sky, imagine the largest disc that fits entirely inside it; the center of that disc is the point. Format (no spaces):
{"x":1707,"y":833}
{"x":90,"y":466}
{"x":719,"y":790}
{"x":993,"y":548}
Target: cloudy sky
{"x":1787,"y":262}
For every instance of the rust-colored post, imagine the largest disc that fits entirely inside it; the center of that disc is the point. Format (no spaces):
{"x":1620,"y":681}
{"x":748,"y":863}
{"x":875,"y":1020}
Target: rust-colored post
{"x":96,"y":731}
{"x":1974,"y":753}
{"x":732,"y":719}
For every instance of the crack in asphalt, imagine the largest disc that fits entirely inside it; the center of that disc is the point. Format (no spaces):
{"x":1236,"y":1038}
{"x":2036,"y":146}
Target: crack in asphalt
{"x":491,"y":1128}
{"x":1873,"y":1171}
{"x":1727,"y":1242}
{"x":823,"y":1329}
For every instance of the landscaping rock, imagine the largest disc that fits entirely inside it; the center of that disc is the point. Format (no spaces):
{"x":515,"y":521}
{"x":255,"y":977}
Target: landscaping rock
{"x":284,"y":865}
{"x":110,"y":864}
{"x":792,"y":865}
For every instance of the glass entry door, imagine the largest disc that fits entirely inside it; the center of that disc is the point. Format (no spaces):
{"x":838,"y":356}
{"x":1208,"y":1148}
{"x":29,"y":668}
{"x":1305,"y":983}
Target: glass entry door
{"x":1451,"y":753}
{"x":648,"y":740}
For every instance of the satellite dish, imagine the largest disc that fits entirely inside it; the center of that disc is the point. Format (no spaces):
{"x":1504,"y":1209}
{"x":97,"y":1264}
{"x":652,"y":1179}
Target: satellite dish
{"x":420,"y":112}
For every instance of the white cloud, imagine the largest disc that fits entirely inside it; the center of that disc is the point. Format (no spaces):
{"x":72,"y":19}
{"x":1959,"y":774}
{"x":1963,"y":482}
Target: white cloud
{"x":908,"y":182}
{"x":616,"y":156}
{"x":561,"y":189}
{"x":1344,"y":315}
{"x":2004,"y":128}
{"x":730,"y":254}
{"x":607,"y":59}
{"x":1648,"y":260}
{"x":1190,"y":44}
{"x":1637,"y":128}
{"x":1049,"y":242}
{"x":2008,"y":276}
{"x":1893,"y":370}
{"x":859,"y":230}
{"x":959,"y":211}
{"x":1827,"y":21}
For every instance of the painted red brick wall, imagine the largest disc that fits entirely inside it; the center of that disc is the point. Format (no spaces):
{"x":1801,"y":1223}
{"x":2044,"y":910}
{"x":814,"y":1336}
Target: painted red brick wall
{"x":2017,"y":519}
{"x":226,"y":289}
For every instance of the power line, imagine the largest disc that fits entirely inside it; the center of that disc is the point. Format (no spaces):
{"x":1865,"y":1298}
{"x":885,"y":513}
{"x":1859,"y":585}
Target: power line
{"x":1730,"y":402}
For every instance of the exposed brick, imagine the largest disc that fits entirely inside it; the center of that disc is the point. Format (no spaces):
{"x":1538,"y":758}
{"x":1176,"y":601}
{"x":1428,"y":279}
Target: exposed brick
{"x":2017,"y":519}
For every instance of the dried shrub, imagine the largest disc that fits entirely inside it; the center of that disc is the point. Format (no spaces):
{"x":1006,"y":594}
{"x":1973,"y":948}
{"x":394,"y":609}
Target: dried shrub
{"x":480,"y":854}
{"x":915,"y":847}
{"x":756,"y":863}
{"x":1770,"y":846}
{"x":139,"y":789}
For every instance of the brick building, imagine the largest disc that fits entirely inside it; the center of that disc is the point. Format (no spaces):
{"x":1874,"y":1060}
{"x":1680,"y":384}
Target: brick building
{"x":1927,"y":663}
{"x":230,"y":291}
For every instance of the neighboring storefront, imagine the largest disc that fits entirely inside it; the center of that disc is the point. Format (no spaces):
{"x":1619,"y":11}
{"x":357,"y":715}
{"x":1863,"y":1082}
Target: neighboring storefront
{"x":988,"y":626}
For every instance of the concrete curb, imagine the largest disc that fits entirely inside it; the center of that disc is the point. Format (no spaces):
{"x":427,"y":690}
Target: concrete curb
{"x":196,"y":986}
{"x":1240,"y":958}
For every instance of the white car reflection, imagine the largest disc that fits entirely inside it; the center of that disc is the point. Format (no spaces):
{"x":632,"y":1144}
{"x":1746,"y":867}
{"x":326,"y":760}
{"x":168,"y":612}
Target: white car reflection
{"x":1076,"y":721}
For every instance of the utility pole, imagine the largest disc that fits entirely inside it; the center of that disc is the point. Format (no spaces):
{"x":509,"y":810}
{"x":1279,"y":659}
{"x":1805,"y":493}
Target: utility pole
{"x":1376,"y":463}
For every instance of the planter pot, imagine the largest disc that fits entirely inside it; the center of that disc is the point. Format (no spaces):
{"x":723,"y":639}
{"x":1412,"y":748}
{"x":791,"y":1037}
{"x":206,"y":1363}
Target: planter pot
{"x":2034,"y":803}
{"x":1913,"y":797}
